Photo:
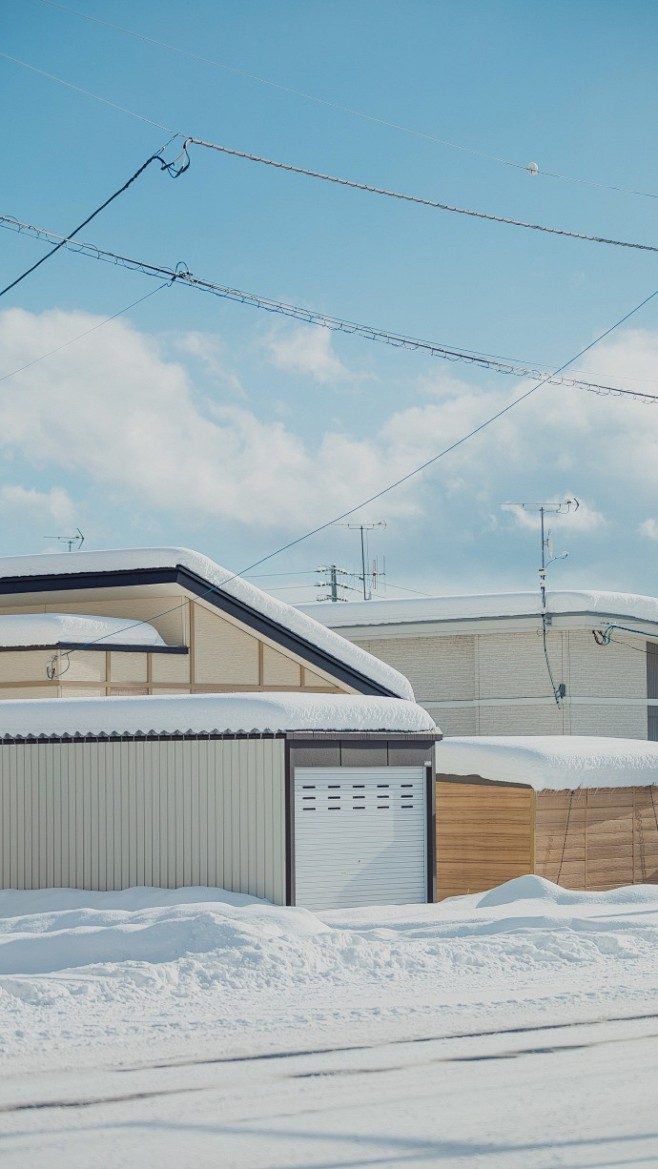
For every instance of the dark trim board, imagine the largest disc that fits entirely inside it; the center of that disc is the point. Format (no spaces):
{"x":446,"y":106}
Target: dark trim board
{"x":96,"y":647}
{"x":199,"y":587}
{"x":282,"y":636}
{"x":289,"y":827}
{"x":430,"y":803}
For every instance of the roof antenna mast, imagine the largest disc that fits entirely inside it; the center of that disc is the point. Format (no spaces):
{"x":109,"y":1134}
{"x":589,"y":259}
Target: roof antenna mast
{"x":547,"y":557}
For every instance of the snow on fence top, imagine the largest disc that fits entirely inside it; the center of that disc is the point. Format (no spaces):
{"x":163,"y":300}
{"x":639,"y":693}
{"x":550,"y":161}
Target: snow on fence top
{"x":50,"y":629}
{"x":551,"y":762}
{"x":127,"y":559}
{"x":207,"y":713}
{"x":606,"y":605}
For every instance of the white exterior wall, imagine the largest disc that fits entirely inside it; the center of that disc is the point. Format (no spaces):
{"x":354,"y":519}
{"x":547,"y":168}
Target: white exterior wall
{"x":119,"y":813}
{"x":497,"y":683}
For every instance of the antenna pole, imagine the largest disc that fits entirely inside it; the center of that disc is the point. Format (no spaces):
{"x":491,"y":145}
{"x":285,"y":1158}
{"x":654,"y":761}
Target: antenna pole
{"x":363,"y":529}
{"x":561,"y":508}
{"x":542,"y":570}
{"x":363,"y":565}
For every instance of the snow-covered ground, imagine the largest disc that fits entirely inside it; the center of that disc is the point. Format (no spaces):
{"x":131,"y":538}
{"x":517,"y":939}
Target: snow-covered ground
{"x":516,"y":1029}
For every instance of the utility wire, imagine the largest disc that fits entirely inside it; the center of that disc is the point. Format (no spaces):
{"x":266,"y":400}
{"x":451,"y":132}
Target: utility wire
{"x":459,"y":442}
{"x":28,"y":365}
{"x":336,"y":324}
{"x":63,"y":242}
{"x":341,"y":108}
{"x":391,"y":486}
{"x":353,"y":184}
{"x":88,"y":93}
{"x":371,"y":189}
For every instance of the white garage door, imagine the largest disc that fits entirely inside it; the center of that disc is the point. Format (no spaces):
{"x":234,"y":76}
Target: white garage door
{"x":360,"y":836}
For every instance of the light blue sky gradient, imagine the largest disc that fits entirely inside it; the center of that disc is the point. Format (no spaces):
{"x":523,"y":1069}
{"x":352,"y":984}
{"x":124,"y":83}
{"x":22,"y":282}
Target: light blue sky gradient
{"x":570,"y":86}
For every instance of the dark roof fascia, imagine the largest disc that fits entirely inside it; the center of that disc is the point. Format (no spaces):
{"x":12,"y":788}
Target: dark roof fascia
{"x":96,"y":647}
{"x":284,"y":637}
{"x":214,"y":595}
{"x":63,"y":581}
{"x":597,"y":619}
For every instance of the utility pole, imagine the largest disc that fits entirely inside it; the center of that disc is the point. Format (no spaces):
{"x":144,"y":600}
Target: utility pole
{"x":333,"y":584}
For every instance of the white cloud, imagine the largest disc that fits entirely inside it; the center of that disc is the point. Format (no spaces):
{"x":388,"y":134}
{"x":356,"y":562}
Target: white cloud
{"x":569,"y":518}
{"x":649,"y":529}
{"x":210,"y":352}
{"x":114,"y":409}
{"x":55,"y":505}
{"x":308,"y":350}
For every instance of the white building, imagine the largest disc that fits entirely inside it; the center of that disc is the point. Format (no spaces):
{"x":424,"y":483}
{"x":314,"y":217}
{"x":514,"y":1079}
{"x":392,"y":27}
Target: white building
{"x":478,"y":663}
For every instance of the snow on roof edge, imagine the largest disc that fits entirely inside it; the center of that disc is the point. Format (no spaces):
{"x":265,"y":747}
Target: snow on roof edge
{"x":44,"y":630}
{"x":551,"y":762}
{"x":240,"y":713}
{"x":477,"y":606}
{"x":297,"y":622}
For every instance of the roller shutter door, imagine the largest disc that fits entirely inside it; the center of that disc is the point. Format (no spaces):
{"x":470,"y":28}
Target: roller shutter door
{"x":360,"y":836}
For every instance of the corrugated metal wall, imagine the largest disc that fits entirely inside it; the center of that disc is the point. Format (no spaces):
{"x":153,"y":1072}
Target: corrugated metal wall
{"x":118,"y":813}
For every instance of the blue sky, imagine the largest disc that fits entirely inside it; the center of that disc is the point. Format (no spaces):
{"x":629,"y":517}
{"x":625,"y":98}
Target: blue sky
{"x":192,"y":420}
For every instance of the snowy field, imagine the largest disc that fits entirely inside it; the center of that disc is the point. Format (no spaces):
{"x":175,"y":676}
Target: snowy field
{"x":513,"y":1030}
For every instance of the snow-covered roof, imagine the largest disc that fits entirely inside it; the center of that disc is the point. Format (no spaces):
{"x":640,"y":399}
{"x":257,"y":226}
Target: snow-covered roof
{"x":484,"y":605}
{"x":296,"y":622}
{"x":51,"y":629}
{"x":208,"y":713}
{"x":552,"y":763}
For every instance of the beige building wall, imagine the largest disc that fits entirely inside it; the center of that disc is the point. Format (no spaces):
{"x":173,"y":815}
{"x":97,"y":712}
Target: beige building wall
{"x":223,"y":655}
{"x":498,"y":684}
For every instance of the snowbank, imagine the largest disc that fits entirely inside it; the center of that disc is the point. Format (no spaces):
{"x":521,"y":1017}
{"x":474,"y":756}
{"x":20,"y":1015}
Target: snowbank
{"x":555,"y":763}
{"x":103,"y":968}
{"x":206,"y":713}
{"x":128,"y":559}
{"x":606,"y":606}
{"x":52,"y":629}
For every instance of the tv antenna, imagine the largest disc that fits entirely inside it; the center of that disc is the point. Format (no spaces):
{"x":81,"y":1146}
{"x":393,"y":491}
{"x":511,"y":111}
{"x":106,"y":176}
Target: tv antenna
{"x":365,"y":577}
{"x":71,"y":541}
{"x":547,"y":557}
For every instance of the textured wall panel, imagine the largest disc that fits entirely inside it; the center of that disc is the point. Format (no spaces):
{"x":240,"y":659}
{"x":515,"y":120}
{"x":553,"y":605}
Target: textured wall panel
{"x":224,"y":654}
{"x":279,"y":670}
{"x":170,"y":813}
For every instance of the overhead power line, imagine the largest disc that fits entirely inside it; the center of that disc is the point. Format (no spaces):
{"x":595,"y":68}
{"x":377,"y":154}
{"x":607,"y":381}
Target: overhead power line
{"x":89,"y":93}
{"x":169,"y":167}
{"x":397,"y":482}
{"x":353,"y":184}
{"x":79,"y":336}
{"x":372,"y":118}
{"x":309,"y":316}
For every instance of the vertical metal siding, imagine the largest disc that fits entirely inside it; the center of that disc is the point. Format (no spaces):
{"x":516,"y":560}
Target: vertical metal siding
{"x":114,"y":814}
{"x":652,"y":690}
